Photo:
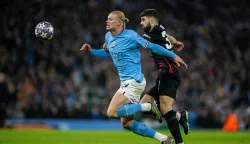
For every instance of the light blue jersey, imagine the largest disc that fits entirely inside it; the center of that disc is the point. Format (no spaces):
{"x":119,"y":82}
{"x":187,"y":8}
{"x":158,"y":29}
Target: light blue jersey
{"x":124,"y":50}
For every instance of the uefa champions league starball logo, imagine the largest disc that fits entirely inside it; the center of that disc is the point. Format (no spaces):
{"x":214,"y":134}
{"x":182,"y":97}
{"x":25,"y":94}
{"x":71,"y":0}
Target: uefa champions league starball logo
{"x":44,"y":30}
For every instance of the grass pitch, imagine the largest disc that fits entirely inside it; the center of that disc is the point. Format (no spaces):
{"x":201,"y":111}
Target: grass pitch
{"x":115,"y":137}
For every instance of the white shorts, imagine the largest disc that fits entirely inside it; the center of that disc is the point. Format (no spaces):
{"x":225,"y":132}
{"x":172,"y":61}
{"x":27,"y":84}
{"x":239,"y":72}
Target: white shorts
{"x":132,"y":89}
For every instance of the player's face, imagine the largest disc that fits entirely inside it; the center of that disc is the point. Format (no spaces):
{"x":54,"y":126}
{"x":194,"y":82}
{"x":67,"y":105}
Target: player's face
{"x":112,"y":22}
{"x":145,"y":24}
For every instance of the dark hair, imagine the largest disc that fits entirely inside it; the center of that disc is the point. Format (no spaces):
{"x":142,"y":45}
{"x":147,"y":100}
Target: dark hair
{"x":150,"y":12}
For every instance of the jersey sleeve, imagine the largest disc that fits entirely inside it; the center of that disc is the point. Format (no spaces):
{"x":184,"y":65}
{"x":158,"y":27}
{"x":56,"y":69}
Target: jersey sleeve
{"x":100,"y":53}
{"x":141,"y":43}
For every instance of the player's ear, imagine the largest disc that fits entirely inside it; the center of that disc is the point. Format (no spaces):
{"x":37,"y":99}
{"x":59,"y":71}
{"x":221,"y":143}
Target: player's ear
{"x":151,"y":20}
{"x":119,"y":22}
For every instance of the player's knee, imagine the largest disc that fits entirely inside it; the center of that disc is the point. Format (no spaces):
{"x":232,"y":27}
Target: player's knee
{"x":127,"y":124}
{"x":166,"y":104}
{"x":111,"y":114}
{"x":165,"y":108}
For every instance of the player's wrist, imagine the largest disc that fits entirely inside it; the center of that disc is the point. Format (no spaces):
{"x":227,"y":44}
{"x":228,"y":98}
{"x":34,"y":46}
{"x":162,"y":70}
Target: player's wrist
{"x":174,"y":55}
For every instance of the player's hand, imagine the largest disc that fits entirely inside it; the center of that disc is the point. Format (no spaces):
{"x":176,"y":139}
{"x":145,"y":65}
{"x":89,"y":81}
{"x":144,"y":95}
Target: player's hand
{"x":179,"y":46}
{"x":180,"y":62}
{"x":86,"y":48}
{"x":105,"y":47}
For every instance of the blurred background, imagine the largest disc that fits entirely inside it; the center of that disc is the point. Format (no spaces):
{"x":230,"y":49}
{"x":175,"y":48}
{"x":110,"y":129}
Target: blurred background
{"x":53,"y":80}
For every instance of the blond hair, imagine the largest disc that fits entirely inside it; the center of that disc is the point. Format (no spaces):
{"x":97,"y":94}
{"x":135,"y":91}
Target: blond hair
{"x":121,"y":16}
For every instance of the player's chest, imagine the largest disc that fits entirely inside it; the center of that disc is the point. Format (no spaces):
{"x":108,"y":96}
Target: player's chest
{"x":117,"y":47}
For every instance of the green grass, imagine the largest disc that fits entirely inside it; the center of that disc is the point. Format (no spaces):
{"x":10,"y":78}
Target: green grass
{"x":114,"y":137}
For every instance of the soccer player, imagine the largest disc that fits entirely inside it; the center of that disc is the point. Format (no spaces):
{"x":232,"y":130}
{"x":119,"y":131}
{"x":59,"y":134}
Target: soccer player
{"x":123,"y":46}
{"x":168,"y":81}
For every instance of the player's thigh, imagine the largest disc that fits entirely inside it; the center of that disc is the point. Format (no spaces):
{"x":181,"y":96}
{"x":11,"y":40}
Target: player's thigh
{"x":152,"y":94}
{"x":117,"y":101}
{"x":168,"y":86}
{"x":132,"y":90}
{"x":129,"y":92}
{"x":128,"y":122}
{"x":167,"y":89}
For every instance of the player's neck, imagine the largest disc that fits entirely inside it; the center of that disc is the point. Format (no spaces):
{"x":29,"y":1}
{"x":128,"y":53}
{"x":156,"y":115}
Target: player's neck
{"x":152,"y":26}
{"x":117,"y":31}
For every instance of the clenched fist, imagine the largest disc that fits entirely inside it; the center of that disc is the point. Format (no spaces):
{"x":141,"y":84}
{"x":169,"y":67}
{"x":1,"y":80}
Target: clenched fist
{"x":179,"y":45}
{"x":86,"y":48}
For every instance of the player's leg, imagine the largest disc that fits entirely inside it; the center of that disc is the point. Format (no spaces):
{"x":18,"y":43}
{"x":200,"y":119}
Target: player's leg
{"x":166,"y":104}
{"x":141,"y":129}
{"x":120,"y":107}
{"x":130,"y":93}
{"x":146,"y":98}
{"x":167,"y":90}
{"x":152,"y":94}
{"x":153,"y":97}
{"x":117,"y":102}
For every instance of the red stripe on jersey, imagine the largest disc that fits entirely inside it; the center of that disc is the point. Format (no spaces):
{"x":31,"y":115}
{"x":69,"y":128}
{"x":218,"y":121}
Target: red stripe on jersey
{"x":169,"y":65}
{"x":161,"y":65}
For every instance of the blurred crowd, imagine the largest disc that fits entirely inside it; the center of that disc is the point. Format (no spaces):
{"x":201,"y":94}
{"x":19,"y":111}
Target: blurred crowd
{"x":53,"y":79}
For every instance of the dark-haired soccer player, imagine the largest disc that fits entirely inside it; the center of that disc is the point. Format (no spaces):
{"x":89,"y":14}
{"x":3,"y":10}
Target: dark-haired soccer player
{"x":168,"y":81}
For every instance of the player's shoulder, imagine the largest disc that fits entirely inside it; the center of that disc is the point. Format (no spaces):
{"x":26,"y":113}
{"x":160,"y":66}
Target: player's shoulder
{"x":108,"y":36}
{"x":147,"y":35}
{"x":157,"y":30}
{"x":161,"y":27}
{"x":130,"y":32}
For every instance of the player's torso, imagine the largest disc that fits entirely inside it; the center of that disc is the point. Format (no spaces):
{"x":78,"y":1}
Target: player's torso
{"x":125,"y":55}
{"x":164,"y":65}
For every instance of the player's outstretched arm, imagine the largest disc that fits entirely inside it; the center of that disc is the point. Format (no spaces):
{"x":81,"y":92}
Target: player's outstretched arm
{"x":162,"y":51}
{"x":95,"y":52}
{"x":142,"y":43}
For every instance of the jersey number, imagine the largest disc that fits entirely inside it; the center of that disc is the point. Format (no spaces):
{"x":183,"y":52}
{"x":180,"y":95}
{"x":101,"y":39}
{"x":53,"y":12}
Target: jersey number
{"x":165,"y":36}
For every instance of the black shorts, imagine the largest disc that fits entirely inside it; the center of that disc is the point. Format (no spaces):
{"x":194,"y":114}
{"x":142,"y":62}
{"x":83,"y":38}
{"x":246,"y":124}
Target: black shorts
{"x":165,"y":85}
